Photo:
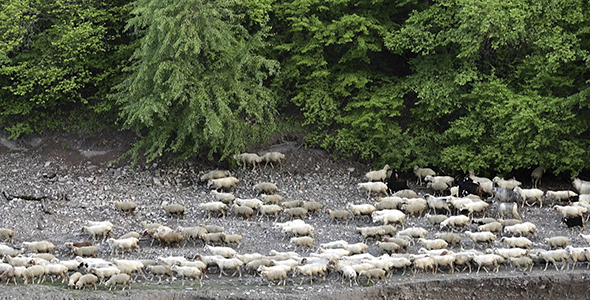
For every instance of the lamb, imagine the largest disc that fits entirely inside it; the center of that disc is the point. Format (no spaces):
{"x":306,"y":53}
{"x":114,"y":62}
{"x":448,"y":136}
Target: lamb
{"x":414,"y":206}
{"x":520,"y":242}
{"x":422,"y":172}
{"x":85,"y":280}
{"x":371,"y":274}
{"x":491,"y":227}
{"x":536,"y":176}
{"x":273,"y":273}
{"x":227,"y":198}
{"x":298,"y":212}
{"x":304,"y":241}
{"x":361,"y":209}
{"x":560,"y":196}
{"x":230,"y":263}
{"x":338,"y":215}
{"x":373,"y":187}
{"x":509,"y":184}
{"x":570,"y":210}
{"x":433,"y":244}
{"x":7,"y":234}
{"x":268,"y":188}
{"x":244,"y":211}
{"x":215,"y":174}
{"x":40,"y":247}
{"x":455,"y":221}
{"x":126,"y":206}
{"x":173,"y":209}
{"x":379,"y":175}
{"x":521,"y":229}
{"x":249,"y":159}
{"x":449,"y":237}
{"x":524,"y":262}
{"x":222,"y":251}
{"x":414,"y":232}
{"x":216,"y":207}
{"x":124,"y":245}
{"x":273,"y":157}
{"x":554,"y":256}
{"x":435,"y":203}
{"x":583,"y":187}
{"x":190,"y":272}
{"x":272,"y":199}
{"x":530,"y":194}
{"x":509,"y":209}
{"x":479,"y":237}
{"x":231,"y":239}
{"x":122,"y":279}
{"x":557,"y":242}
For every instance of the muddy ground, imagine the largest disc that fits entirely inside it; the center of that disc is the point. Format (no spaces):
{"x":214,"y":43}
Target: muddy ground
{"x":74,"y":176}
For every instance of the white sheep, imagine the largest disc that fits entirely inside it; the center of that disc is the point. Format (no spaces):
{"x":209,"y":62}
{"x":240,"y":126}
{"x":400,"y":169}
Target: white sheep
{"x":273,"y":273}
{"x":371,"y":274}
{"x":252,"y":202}
{"x":269,"y":209}
{"x":249,"y":159}
{"x":273,"y":157}
{"x":190,"y":272}
{"x":455,"y":221}
{"x":7,"y":234}
{"x":231,"y":239}
{"x":423,"y":263}
{"x":433,"y":244}
{"x":373,"y":187}
{"x":414,"y":232}
{"x":521,"y":229}
{"x":485,"y":184}
{"x":390,"y":216}
{"x":414,"y":206}
{"x":227,"y":183}
{"x":191,"y":233}
{"x":437,"y":203}
{"x":557,"y":242}
{"x":105,"y":272}
{"x":379,"y":175}
{"x":435,"y":219}
{"x":530,"y":194}
{"x":316,"y":269}
{"x":554,"y":256}
{"x":356,"y":248}
{"x":56,"y":269}
{"x":85,"y":280}
{"x":40,"y":246}
{"x":578,"y":255}
{"x":361,"y":209}
{"x":446,"y":179}
{"x":388,"y":247}
{"x":125,"y":244}
{"x":583,"y":187}
{"x":223,"y":251}
{"x":510,"y":253}
{"x":122,"y":279}
{"x":339,"y":214}
{"x":475,"y":207}
{"x":216,"y":207}
{"x":303,"y":241}
{"x":479,"y":237}
{"x":449,"y":237}
{"x":405,"y":194}
{"x":230,"y":264}
{"x":570,"y":210}
{"x":509,"y":209}
{"x":524,"y":262}
{"x":73,"y":279}
{"x":520,"y":242}
{"x":272,"y":199}
{"x":423,"y":172}
{"x":560,"y":196}
{"x":390,"y":202}
{"x":173,"y":209}
{"x":438,"y":187}
{"x":488,"y":260}
{"x":227,"y":198}
{"x":268,"y":188}
{"x":509,"y":184}
{"x":134,"y":266}
{"x":536,"y":176}
{"x":491,"y":227}
{"x":215,"y":174}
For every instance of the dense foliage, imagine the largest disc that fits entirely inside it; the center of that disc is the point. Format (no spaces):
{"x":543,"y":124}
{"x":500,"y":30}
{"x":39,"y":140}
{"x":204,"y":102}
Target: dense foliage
{"x":493,"y":86}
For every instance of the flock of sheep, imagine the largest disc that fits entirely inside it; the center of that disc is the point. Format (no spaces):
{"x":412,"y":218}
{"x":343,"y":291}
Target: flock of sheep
{"x":458,"y":211}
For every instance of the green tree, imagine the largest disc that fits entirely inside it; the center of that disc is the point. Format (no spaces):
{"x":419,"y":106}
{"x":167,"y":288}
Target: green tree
{"x":336,"y":70}
{"x":197,"y":82}
{"x":499,"y":85}
{"x":58,"y":60}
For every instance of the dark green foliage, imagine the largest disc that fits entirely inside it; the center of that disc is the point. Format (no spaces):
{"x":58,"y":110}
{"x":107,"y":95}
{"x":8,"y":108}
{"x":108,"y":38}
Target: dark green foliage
{"x":57,"y":61}
{"x":196,"y":86}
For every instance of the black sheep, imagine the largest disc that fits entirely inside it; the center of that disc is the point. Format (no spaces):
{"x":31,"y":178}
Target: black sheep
{"x":394,"y":184}
{"x":468,"y":186}
{"x":574,"y":221}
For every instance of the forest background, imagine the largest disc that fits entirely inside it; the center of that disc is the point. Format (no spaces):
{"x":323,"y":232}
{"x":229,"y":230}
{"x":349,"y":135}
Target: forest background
{"x":490,"y":85}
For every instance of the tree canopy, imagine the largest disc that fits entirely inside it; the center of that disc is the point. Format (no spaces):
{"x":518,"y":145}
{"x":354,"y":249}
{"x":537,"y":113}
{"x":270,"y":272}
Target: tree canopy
{"x":492,"y":86}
